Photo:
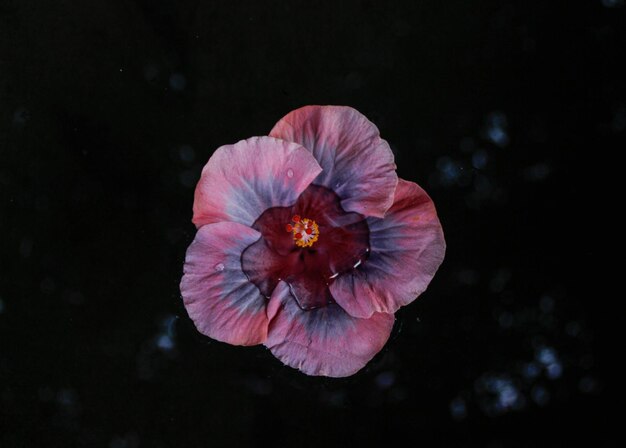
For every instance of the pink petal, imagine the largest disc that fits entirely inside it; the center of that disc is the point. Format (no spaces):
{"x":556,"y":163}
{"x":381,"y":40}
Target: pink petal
{"x":325,"y":341}
{"x":241,"y":181}
{"x":358,"y":165}
{"x":406,"y":249}
{"x":223,"y":304}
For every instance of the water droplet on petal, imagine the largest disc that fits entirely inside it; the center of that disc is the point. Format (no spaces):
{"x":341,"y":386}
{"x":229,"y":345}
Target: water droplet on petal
{"x":219,"y":267}
{"x":290,"y":173}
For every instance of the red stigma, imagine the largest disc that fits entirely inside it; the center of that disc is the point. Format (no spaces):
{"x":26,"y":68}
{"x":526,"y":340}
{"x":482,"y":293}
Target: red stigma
{"x":305,"y":231}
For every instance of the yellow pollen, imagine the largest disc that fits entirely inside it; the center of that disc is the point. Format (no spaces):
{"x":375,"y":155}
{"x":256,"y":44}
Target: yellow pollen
{"x":305,"y":231}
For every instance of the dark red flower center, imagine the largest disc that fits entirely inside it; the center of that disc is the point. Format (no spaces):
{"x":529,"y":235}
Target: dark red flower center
{"x":286,"y":250}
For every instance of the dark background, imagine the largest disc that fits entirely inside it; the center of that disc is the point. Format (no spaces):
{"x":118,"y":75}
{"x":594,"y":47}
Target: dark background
{"x":507,"y":112}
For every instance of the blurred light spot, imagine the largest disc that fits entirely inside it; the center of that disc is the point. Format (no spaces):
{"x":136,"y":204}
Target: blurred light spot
{"x":531,"y":370}
{"x":1,"y":306}
{"x":468,"y":276}
{"x":505,"y":319}
{"x":507,"y":395}
{"x":165,"y":342}
{"x":500,"y":280}
{"x":546,"y":356}
{"x":165,"y":338}
{"x":572,"y":329}
{"x":540,"y":395}
{"x":449,"y":170}
{"x":67,"y":398}
{"x":155,"y":352}
{"x":479,"y":159}
{"x":546,"y":304}
{"x":618,"y":124}
{"x":178,"y":81}
{"x":169,"y":325}
{"x":188,"y":178}
{"x":495,"y":129}
{"x":458,"y":409}
{"x":21,"y":117}
{"x":186,"y":153}
{"x":151,"y":73}
{"x":554,"y":370}
{"x":385,"y":380}
{"x":538,"y":172}
{"x":588,"y":385}
{"x":26,"y":247}
{"x":498,"y":394}
{"x":613,"y":3}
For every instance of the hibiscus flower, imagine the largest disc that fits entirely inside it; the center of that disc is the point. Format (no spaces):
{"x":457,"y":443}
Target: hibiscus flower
{"x":308,"y":242}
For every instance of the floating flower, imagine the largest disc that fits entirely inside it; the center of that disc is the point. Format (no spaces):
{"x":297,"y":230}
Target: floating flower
{"x":308,"y":242}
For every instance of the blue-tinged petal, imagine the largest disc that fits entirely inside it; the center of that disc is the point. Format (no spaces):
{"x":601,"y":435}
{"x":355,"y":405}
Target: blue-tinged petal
{"x":325,"y":341}
{"x":241,"y":181}
{"x":357,"y":164}
{"x":218,"y":296}
{"x":406,"y":248}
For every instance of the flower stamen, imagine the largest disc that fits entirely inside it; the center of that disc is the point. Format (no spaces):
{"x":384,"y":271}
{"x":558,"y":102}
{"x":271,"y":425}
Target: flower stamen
{"x":305,"y":231}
